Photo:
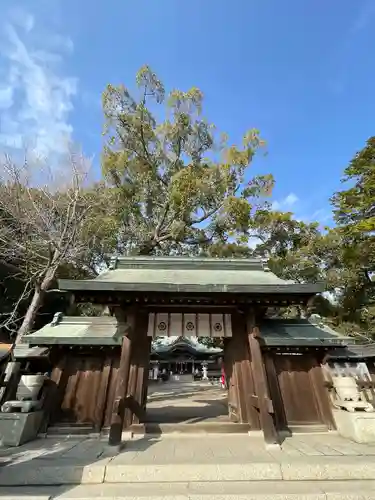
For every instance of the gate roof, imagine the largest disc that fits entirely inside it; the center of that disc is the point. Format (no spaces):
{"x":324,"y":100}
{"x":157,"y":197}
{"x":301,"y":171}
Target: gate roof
{"x":80,"y":330}
{"x":190,"y":275}
{"x":299,"y":332}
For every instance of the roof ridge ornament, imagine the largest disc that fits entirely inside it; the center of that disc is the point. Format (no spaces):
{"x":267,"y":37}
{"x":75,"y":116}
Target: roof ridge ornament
{"x":113,"y":263}
{"x":57,"y":318}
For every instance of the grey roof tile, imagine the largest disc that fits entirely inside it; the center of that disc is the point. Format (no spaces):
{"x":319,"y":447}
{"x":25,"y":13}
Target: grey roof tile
{"x":299,"y":332}
{"x":103,"y":330}
{"x":171,"y":274}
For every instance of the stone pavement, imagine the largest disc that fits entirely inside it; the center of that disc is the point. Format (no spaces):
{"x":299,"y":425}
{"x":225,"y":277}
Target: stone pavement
{"x":186,"y":402}
{"x":186,"y":458}
{"x":265,"y":490}
{"x":189,"y":466}
{"x":237,"y":449}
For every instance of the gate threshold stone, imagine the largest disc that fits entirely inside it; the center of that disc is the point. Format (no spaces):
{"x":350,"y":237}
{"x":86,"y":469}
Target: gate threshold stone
{"x":155,"y":429}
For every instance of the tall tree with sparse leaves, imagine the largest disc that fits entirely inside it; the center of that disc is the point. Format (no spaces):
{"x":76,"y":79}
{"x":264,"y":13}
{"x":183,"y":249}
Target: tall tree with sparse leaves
{"x":184,"y":186}
{"x":52,"y":224}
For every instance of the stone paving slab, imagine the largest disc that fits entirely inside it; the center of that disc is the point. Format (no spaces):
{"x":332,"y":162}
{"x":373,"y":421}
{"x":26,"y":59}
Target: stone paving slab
{"x":40,"y":472}
{"x":193,"y":472}
{"x":300,"y":470}
{"x":186,"y":458}
{"x":24,"y":496}
{"x":184,"y":402}
{"x":267,"y":490}
{"x":235,"y":448}
{"x":329,"y":468}
{"x":104,"y":471}
{"x":54,"y":449}
{"x":207,"y":488}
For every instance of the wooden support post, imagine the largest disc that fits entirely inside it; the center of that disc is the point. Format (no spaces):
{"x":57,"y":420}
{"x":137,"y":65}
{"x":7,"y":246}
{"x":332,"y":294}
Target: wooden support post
{"x":134,"y":411}
{"x":146,"y":374}
{"x":262,"y":401}
{"x":144,"y":347}
{"x":231,"y":378}
{"x":122,"y":382}
{"x":138,"y":415}
{"x":118,"y":411}
{"x":145,"y":389}
{"x":128,"y":419}
{"x":277,"y":402}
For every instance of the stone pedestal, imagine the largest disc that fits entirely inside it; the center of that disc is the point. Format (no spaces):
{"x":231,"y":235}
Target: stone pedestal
{"x":19,"y":428}
{"x":358,"y":426}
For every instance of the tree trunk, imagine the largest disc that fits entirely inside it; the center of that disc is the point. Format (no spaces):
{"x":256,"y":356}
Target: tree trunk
{"x":32,"y":311}
{"x":147,"y":248}
{"x":35,"y":304}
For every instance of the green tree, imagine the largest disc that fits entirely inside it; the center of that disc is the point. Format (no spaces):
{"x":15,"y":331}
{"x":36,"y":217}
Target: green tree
{"x":184,"y":186}
{"x":287,"y":244}
{"x":354,"y":207}
{"x":354,"y":211}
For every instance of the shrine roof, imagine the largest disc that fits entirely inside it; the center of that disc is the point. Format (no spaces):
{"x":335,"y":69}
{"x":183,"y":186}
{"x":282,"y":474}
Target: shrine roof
{"x":353,"y":352}
{"x":169,"y":344}
{"x":24,"y":351}
{"x":190,"y":275}
{"x":80,"y":330}
{"x":299,"y":332}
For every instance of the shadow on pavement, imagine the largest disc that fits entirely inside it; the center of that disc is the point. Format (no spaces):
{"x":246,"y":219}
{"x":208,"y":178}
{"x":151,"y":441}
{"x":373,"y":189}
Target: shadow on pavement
{"x":178,"y":403}
{"x":58,"y":464}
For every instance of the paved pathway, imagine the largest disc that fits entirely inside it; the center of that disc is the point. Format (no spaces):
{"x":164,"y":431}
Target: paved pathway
{"x":226,"y":467}
{"x":226,"y":449}
{"x":191,"y":466}
{"x":186,"y":401}
{"x":183,"y":449}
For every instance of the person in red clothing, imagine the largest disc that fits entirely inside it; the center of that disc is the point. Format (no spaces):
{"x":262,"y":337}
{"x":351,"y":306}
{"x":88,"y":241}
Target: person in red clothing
{"x":223,"y":379}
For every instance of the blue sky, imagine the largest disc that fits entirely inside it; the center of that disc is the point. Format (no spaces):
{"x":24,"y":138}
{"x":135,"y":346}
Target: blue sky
{"x":299,"y":71}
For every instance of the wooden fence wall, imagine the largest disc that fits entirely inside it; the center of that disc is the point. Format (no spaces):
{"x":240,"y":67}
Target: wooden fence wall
{"x":85,"y":387}
{"x":298,"y":390}
{"x":85,"y":383}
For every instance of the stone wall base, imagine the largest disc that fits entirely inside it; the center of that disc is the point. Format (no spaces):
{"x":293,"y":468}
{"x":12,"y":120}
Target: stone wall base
{"x":357,"y":426}
{"x":19,"y":428}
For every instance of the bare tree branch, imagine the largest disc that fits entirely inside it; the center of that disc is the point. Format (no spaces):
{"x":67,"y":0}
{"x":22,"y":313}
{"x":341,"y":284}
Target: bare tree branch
{"x":47,"y":225}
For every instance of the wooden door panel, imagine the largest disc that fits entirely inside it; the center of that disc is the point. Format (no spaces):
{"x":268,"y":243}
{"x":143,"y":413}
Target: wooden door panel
{"x":85,"y":392}
{"x":297,"y":391}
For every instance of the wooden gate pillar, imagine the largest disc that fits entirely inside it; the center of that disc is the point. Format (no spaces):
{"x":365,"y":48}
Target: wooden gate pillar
{"x":118,"y":410}
{"x":143,"y":360}
{"x":261,"y":400}
{"x":238,"y":369}
{"x":134,"y":407}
